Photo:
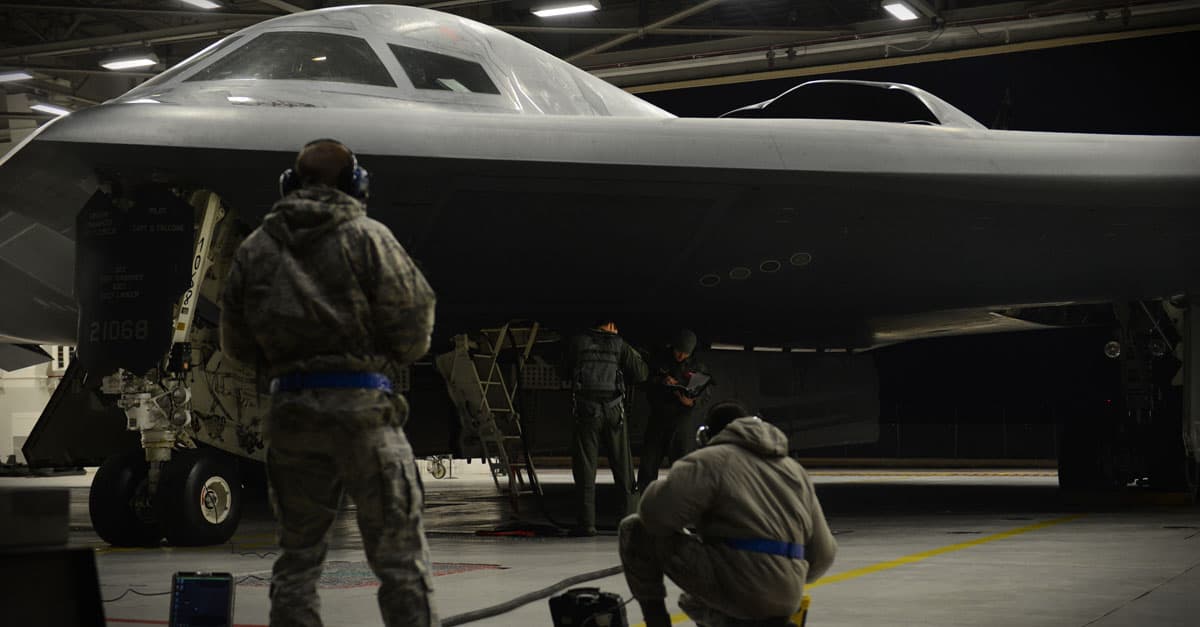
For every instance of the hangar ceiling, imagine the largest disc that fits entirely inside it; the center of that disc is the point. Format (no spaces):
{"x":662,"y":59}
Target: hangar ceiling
{"x":642,"y":45}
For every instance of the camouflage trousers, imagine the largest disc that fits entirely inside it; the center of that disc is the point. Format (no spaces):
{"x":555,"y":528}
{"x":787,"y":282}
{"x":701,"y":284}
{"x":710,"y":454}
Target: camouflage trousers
{"x":322,"y":444}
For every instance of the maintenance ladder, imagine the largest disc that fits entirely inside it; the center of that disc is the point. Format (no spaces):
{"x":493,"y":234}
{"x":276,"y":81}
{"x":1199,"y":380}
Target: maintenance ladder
{"x":485,"y":401}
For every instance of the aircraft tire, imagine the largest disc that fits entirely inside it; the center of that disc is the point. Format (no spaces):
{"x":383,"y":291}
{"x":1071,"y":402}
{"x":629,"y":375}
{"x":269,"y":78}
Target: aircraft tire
{"x":120,"y":480}
{"x":200,"y":499}
{"x":1171,"y":467}
{"x":1175,"y":472}
{"x":1082,"y":459}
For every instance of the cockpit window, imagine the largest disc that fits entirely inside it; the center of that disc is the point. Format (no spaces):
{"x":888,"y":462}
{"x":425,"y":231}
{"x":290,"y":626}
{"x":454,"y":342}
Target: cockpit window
{"x":844,"y":101}
{"x":189,"y":63}
{"x":430,"y":70}
{"x":301,"y":56}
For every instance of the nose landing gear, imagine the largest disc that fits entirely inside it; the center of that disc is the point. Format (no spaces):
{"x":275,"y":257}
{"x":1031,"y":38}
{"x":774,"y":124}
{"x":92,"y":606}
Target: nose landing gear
{"x":120,"y":504}
{"x":198,"y":500}
{"x":141,"y":260}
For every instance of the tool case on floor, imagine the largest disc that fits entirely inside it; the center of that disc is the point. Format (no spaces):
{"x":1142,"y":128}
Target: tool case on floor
{"x":580,"y":607}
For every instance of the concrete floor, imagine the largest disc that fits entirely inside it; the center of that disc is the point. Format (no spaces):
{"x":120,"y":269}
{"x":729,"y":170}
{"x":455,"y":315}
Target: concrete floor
{"x":917,"y":548}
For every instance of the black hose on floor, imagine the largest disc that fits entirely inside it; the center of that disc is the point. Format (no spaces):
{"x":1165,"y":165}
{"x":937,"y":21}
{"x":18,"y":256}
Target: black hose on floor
{"x":541,"y":500}
{"x":508,"y":606}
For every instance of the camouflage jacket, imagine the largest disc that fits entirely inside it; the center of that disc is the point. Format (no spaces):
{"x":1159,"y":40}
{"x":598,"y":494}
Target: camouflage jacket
{"x":322,"y":287}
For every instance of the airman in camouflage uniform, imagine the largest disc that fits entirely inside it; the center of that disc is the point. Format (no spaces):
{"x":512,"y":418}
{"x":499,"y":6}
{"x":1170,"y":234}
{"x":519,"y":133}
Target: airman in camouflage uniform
{"x":322,"y":288}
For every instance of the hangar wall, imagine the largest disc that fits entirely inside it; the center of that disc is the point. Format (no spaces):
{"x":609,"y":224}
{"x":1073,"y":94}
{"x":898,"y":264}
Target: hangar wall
{"x":17,"y":130}
{"x":1002,"y":396}
{"x":23,"y":395}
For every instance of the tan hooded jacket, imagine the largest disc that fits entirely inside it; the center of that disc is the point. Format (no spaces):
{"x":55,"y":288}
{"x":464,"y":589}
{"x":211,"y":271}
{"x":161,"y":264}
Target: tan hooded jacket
{"x":743,"y":485}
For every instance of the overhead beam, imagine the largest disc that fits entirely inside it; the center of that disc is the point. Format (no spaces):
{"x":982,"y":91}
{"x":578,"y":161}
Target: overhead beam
{"x":49,"y":69}
{"x":717,"y":58}
{"x":55,"y":88}
{"x":923,"y":7}
{"x":564,"y":30}
{"x":76,"y":22}
{"x":450,"y":4}
{"x":286,"y":7}
{"x":649,"y":28}
{"x":48,"y":87}
{"x":191,"y":32}
{"x":16,"y":115}
{"x":981,"y":16}
{"x":107,"y":42}
{"x":852,"y":66}
{"x":678,"y":32}
{"x":77,"y":9}
{"x":751,"y":32}
{"x":1051,"y":5}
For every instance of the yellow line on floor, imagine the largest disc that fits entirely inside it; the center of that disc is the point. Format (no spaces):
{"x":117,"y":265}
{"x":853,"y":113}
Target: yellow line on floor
{"x":924,"y":555}
{"x":819,"y":473}
{"x":915,"y":557}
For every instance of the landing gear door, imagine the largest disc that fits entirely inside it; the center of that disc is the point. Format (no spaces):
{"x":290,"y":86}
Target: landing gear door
{"x":1191,"y":377}
{"x":131,"y":266}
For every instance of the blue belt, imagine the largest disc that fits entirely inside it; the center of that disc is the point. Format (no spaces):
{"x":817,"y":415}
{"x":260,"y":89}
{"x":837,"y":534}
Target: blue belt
{"x":770,"y":547}
{"x":328,"y":380}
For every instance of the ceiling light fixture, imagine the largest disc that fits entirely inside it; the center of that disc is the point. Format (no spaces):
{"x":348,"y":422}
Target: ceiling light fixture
{"x":51,"y":109}
{"x":203,"y":4}
{"x":555,"y":10}
{"x":900,"y":11}
{"x":130,"y":61}
{"x":8,"y":77}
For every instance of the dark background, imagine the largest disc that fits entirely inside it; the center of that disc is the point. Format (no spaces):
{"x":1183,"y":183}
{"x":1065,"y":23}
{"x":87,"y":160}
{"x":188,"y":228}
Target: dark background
{"x":1143,"y":86}
{"x":1000,"y":396}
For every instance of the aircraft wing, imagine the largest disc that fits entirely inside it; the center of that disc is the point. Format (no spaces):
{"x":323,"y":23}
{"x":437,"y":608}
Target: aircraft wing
{"x":530,"y":203}
{"x":816,"y":222}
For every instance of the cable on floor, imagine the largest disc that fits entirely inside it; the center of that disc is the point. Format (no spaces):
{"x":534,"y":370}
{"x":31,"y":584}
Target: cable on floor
{"x":129,"y":591}
{"x":508,"y":606}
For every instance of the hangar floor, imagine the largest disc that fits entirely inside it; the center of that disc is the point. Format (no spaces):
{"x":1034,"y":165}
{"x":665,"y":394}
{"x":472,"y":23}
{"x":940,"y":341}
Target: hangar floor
{"x":939,"y":548}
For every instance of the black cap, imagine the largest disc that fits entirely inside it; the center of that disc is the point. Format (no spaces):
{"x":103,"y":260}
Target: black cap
{"x":684,"y":341}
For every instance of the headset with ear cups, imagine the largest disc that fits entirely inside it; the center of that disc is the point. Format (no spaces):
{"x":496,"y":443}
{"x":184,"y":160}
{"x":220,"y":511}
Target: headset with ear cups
{"x":706,"y":433}
{"x":353,"y":180}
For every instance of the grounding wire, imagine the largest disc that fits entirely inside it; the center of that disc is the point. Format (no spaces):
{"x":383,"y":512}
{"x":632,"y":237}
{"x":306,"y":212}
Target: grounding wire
{"x":529,"y":597}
